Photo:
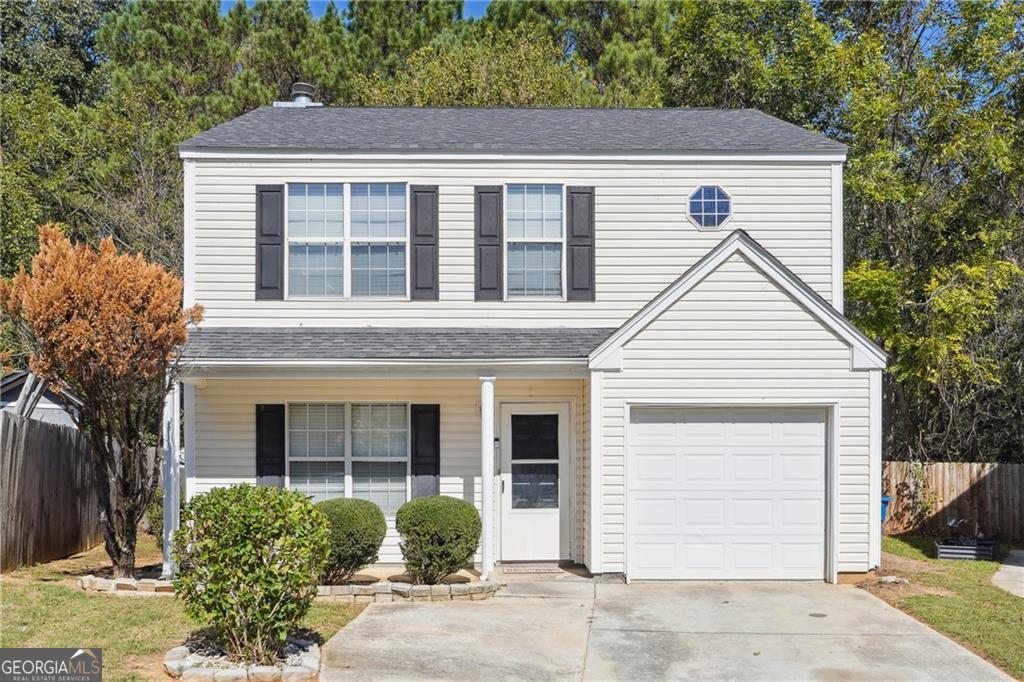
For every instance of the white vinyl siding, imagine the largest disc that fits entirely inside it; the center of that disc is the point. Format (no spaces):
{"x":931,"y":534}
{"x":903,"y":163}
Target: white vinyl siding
{"x":643,"y":237}
{"x":737,"y":338}
{"x":225,"y":427}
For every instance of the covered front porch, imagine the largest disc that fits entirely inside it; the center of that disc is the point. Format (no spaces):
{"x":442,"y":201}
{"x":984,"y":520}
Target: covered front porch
{"x":391,"y":436}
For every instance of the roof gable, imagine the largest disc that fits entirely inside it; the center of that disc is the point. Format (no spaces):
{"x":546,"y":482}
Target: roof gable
{"x":575,"y":132}
{"x":864,"y":354}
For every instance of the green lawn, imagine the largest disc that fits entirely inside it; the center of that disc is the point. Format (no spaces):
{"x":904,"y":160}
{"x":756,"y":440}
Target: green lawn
{"x":41,"y":606}
{"x":979,"y":615}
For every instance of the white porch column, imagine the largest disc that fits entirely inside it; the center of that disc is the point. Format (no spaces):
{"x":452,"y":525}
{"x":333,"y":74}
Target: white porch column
{"x":171,"y":476}
{"x":487,"y":476}
{"x":595,"y":561}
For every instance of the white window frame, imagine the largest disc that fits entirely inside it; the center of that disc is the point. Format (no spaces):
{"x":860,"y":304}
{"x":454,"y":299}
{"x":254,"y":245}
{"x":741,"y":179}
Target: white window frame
{"x":348,"y":459}
{"x":532,"y":240}
{"x":697,"y":223}
{"x":347,"y":239}
{"x":315,"y":240}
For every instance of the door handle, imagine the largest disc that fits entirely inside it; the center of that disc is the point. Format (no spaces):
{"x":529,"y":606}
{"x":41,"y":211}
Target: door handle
{"x":502,"y":486}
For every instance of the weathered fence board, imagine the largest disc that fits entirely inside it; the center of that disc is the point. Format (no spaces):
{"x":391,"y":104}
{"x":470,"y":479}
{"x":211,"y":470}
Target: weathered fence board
{"x":988,"y":498}
{"x":48,"y":503}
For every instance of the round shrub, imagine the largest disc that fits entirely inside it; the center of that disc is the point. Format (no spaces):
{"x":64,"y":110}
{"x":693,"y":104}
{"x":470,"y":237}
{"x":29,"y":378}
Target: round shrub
{"x":249,"y":559}
{"x":357,"y":531}
{"x":439,"y":536}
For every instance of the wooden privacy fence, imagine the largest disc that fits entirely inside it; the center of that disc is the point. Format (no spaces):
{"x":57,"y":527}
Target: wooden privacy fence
{"x":989,"y":498}
{"x":48,"y":503}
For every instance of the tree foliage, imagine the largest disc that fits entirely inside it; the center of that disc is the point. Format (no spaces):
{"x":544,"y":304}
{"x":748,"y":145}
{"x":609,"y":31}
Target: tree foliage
{"x":511,"y":68}
{"x":927,"y":94}
{"x":107,"y":326}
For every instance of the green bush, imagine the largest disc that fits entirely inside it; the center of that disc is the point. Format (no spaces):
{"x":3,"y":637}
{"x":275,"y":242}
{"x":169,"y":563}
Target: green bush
{"x":155,"y":515}
{"x":357,"y":531}
{"x":249,"y":559}
{"x":439,"y":536}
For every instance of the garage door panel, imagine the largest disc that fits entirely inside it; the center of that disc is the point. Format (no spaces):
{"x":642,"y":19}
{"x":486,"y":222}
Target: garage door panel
{"x":752,"y":467}
{"x":719,"y":494}
{"x":653,"y":466}
{"x":655,"y":515}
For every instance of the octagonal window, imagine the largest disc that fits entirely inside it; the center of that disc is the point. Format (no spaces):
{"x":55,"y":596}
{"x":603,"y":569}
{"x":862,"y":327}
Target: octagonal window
{"x":710,"y":207}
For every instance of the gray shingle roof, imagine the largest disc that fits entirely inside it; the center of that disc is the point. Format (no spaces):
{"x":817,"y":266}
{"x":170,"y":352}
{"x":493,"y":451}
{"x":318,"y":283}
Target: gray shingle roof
{"x":322,"y":343}
{"x":540,"y":131}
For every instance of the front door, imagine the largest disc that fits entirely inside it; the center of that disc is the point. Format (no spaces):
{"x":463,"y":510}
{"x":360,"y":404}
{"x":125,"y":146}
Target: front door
{"x":535,"y":479}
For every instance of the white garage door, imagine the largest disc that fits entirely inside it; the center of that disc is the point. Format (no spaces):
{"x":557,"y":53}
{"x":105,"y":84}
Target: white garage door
{"x":726,"y":494}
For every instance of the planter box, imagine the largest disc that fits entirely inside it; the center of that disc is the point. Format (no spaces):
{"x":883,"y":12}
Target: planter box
{"x":975,"y":550}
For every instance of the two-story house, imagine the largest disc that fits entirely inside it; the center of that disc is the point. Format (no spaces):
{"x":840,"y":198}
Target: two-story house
{"x":618,"y":333}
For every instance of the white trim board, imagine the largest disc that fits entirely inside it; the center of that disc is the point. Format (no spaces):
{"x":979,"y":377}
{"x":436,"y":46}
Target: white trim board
{"x":386,"y":362}
{"x":319,"y":154}
{"x":875,"y":469}
{"x":838,"y":280}
{"x":864,"y":354}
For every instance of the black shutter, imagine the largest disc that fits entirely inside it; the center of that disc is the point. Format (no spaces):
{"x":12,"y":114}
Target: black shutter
{"x":424,"y":242}
{"x":426,"y":449}
{"x":488,"y":232}
{"x":270,"y":440}
{"x":269,"y":242}
{"x":580,"y":260}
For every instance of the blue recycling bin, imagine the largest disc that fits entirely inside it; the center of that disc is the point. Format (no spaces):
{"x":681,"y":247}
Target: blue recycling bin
{"x":885,"y":506}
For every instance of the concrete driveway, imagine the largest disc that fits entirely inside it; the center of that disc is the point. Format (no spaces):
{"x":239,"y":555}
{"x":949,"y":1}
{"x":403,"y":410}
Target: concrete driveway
{"x":652,"y":631}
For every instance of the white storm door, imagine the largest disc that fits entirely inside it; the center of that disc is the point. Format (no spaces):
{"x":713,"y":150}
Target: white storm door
{"x":718,"y":494}
{"x":534,"y":482}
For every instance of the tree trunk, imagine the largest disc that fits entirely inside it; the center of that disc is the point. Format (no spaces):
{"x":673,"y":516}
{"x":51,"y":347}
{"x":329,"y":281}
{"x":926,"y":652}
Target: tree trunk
{"x":121,"y":551}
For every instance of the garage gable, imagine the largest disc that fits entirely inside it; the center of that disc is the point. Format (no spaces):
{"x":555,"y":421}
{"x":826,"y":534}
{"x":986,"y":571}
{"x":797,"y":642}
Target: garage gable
{"x":740,"y":247}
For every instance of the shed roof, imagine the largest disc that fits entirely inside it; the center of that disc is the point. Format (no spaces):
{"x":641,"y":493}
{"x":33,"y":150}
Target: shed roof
{"x":387,"y":343}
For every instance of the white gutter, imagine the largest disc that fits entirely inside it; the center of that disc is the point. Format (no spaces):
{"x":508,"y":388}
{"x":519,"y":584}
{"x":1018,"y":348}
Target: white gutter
{"x":395,"y":362}
{"x":315,"y":154}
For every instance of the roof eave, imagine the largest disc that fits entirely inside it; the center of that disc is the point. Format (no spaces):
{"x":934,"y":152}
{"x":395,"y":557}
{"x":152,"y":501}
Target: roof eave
{"x":197,"y":363}
{"x":837,"y":154}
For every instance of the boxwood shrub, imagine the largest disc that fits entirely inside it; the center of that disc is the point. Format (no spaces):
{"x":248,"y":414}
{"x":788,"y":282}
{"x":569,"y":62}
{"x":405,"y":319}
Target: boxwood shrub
{"x":439,"y":536}
{"x":249,"y":559}
{"x":357,"y":531}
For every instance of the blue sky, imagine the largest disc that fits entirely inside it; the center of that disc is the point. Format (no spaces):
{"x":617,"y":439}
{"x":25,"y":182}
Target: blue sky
{"x":470,"y":9}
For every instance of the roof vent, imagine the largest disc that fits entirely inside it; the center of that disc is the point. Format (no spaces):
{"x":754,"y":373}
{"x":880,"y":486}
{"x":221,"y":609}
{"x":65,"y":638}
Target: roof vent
{"x":302,"y":96}
{"x":302,"y":93}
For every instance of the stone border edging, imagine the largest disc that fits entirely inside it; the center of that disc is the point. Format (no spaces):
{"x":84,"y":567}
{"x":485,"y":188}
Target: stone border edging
{"x":385,"y":591}
{"x":152,"y":585}
{"x":176,"y":665}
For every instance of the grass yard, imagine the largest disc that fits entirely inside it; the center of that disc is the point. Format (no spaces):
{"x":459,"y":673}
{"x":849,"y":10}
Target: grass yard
{"x":43,"y":606}
{"x":957,"y":598}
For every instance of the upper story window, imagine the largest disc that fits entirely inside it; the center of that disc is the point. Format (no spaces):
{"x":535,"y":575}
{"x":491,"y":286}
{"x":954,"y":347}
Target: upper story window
{"x":710,"y":207}
{"x":316,"y":233}
{"x":347,"y":239}
{"x":535,"y":240}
